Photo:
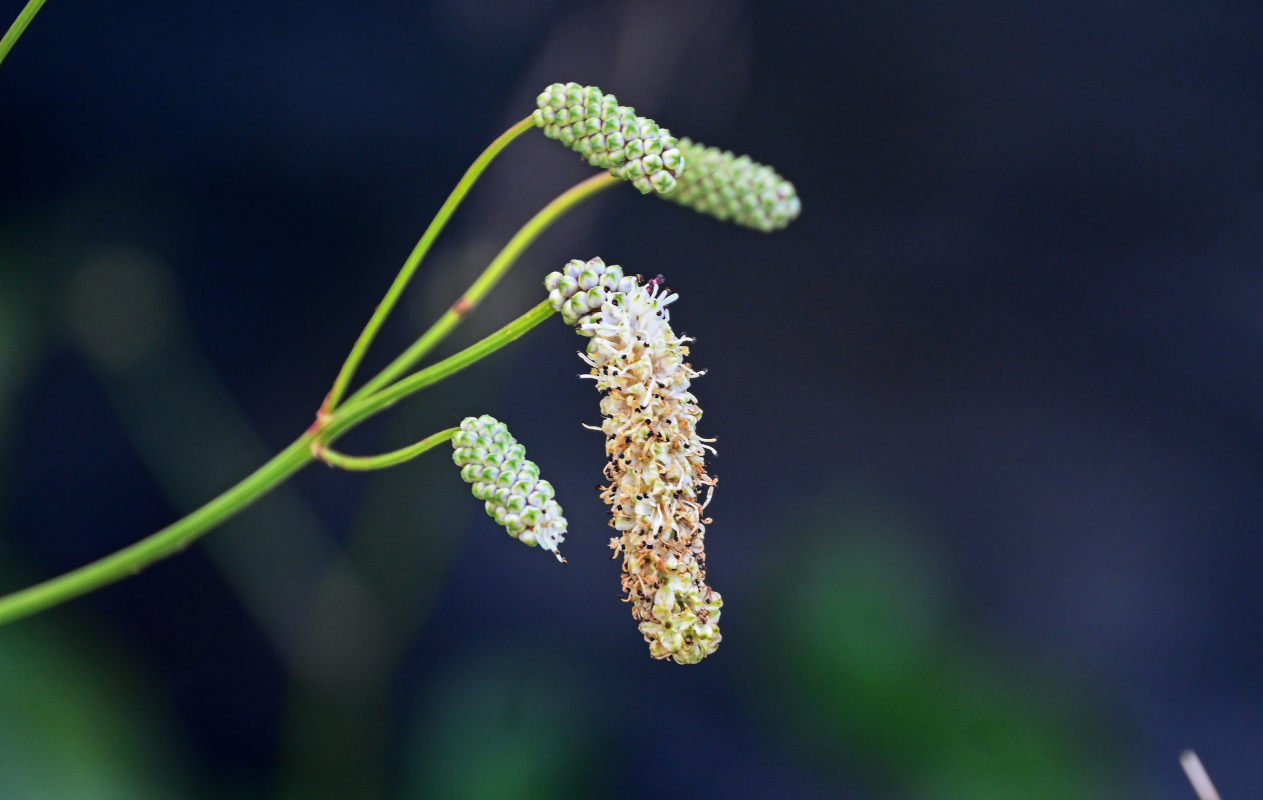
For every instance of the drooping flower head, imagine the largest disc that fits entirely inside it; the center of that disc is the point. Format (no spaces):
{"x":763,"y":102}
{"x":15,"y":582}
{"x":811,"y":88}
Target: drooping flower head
{"x":657,"y":483}
{"x":610,"y":136}
{"x":502,"y":476}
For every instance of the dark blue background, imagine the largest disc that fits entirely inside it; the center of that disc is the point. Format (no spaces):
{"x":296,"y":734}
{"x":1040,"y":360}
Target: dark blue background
{"x":989,"y":414}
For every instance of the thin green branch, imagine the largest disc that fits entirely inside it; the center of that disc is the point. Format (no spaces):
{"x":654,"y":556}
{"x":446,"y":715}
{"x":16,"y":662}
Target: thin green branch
{"x":358,"y":409}
{"x":166,"y":542}
{"x":490,"y":276}
{"x":414,"y":260}
{"x":368,"y":463}
{"x":180,"y":534}
{"x":379,"y":394}
{"x":18,"y":27}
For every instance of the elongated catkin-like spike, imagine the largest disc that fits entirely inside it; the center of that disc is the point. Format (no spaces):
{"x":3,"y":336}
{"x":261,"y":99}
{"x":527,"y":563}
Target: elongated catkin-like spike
{"x":508,"y":482}
{"x":734,"y":188}
{"x":610,"y":136}
{"x":656,"y":475}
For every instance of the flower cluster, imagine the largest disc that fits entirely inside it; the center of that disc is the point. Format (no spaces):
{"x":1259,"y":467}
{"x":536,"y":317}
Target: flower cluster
{"x":656,"y":473}
{"x":584,"y":286}
{"x":610,"y":136}
{"x":501,"y":474}
{"x":735,"y":188}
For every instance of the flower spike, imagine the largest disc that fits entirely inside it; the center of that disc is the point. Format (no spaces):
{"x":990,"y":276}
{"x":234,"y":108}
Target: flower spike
{"x":610,"y":136}
{"x":657,"y":481}
{"x":735,"y":188}
{"x":502,"y":476}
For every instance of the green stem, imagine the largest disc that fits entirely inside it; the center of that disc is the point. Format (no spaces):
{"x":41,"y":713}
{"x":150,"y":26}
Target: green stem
{"x":335,"y":421}
{"x":414,"y":260}
{"x":157,"y":546}
{"x":521,"y":240}
{"x":358,"y":408}
{"x":180,"y":534}
{"x":367,"y":463}
{"x":18,"y":27}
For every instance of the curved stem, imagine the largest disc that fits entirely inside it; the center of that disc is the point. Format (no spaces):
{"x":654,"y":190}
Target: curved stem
{"x":414,"y":260}
{"x":366,"y":463}
{"x":183,"y":532}
{"x":505,"y":259}
{"x":157,"y":546}
{"x":334,"y":421}
{"x":358,"y":409}
{"x":18,"y":27}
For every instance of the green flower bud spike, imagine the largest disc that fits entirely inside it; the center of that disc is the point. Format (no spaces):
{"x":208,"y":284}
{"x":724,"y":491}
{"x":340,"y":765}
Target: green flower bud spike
{"x":735,"y":188}
{"x":657,"y":485}
{"x":610,"y":136}
{"x":509,"y":483}
{"x":583,"y":287}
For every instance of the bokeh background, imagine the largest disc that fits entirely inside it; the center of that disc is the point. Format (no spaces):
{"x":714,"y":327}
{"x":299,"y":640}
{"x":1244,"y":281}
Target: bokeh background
{"x":990,"y":414}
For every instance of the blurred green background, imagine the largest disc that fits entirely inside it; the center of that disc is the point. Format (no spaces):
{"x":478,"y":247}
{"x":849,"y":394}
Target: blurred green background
{"x":988,"y":414}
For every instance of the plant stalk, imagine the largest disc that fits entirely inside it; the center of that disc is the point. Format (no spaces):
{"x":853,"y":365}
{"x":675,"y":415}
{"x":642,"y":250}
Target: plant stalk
{"x":490,"y":276}
{"x":183,"y":532}
{"x":18,"y":27}
{"x":166,"y":542}
{"x":414,"y":260}
{"x":368,"y":463}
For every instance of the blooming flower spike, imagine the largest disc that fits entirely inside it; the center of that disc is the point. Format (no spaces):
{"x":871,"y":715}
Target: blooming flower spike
{"x":656,"y":475}
{"x":509,"y":483}
{"x":610,"y":136}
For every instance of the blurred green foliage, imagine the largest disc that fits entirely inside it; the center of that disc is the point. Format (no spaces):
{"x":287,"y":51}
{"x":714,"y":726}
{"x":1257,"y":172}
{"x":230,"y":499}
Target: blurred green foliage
{"x":76,"y":718}
{"x":499,"y":727}
{"x":76,"y":722}
{"x":876,"y":670}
